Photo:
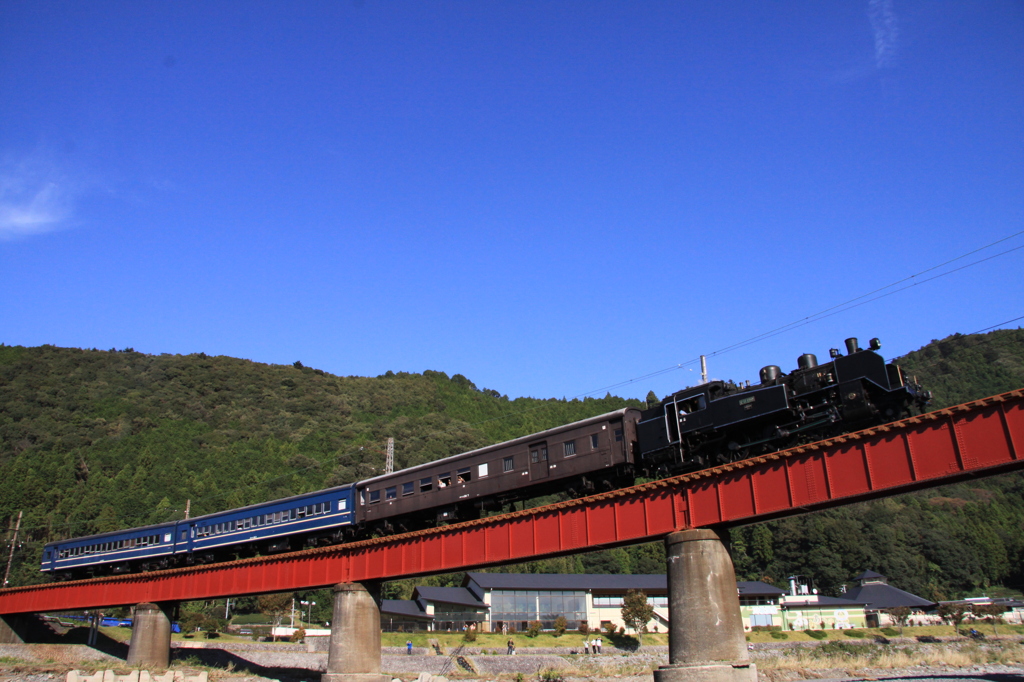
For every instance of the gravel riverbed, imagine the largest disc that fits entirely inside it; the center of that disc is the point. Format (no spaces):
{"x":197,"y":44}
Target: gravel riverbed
{"x":777,"y":662}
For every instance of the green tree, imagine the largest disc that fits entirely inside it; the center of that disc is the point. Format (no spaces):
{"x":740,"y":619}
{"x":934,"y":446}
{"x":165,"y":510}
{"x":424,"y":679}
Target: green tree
{"x":900,"y":615}
{"x":953,"y":613}
{"x":275,"y":605}
{"x":637,"y":612}
{"x":991,"y":613}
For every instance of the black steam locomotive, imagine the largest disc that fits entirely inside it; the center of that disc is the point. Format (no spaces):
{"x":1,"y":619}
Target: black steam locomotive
{"x":719,"y":422}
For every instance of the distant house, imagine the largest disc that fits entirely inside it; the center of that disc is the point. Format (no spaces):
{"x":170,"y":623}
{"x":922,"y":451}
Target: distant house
{"x":878,"y":596}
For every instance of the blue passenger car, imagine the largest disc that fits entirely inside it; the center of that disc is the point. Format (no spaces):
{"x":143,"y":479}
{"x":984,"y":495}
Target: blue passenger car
{"x":115,"y":552}
{"x":322,"y":517}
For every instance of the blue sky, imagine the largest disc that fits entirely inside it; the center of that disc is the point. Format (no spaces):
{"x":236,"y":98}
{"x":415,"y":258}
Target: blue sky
{"x":550,"y":198}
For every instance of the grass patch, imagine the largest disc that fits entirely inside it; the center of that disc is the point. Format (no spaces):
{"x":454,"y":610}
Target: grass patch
{"x":850,"y":656}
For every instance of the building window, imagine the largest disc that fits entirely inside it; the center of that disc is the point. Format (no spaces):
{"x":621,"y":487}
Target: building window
{"x":594,"y":439}
{"x":506,"y":465}
{"x":569,"y":448}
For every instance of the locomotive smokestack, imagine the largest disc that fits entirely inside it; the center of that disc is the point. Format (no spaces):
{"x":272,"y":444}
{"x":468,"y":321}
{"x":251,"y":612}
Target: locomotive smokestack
{"x":703,"y":370}
{"x":807,"y":361}
{"x":851,"y":345}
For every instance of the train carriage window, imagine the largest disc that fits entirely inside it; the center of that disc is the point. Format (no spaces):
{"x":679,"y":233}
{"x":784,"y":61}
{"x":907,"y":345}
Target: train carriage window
{"x":294,"y":514}
{"x":390,"y":493}
{"x":569,"y":448}
{"x":408,"y":488}
{"x":342,"y":504}
{"x":507,"y":464}
{"x":444,"y":480}
{"x":618,"y":435}
{"x":595,"y":439}
{"x":464,"y":475}
{"x":481,"y":470}
{"x":374,"y":496}
{"x":309,"y":510}
{"x":426,"y":485}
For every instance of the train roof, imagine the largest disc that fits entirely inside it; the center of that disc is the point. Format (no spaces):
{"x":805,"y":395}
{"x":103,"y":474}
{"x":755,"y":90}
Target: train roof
{"x":236,"y":510}
{"x":115,"y":533}
{"x":171,"y":524}
{"x":515,"y":441}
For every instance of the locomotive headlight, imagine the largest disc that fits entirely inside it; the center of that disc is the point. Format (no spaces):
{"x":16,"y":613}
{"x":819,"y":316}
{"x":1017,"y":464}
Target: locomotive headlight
{"x":874,"y":344}
{"x":833,"y":352}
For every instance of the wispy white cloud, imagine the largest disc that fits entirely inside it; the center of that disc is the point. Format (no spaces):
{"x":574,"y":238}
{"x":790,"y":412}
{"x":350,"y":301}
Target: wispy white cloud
{"x":35,"y":197}
{"x":886,"y":30}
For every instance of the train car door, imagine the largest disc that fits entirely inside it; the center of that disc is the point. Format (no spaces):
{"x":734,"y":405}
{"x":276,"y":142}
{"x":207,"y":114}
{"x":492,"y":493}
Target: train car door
{"x":538,"y":461}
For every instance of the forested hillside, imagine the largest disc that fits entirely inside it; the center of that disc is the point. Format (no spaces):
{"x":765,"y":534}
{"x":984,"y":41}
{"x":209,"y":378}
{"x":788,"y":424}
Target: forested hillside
{"x":97,"y":440}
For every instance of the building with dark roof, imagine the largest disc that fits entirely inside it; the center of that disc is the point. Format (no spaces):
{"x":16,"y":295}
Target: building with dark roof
{"x":878,"y":596}
{"x":494,"y":602}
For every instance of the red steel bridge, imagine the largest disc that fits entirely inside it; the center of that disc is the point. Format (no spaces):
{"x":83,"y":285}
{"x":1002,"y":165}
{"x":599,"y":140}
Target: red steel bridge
{"x":979,"y":438}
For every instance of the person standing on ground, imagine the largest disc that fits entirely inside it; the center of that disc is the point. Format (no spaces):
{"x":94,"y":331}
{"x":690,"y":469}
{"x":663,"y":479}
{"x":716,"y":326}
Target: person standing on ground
{"x":511,"y":646}
{"x":408,"y":646}
{"x":598,"y":643}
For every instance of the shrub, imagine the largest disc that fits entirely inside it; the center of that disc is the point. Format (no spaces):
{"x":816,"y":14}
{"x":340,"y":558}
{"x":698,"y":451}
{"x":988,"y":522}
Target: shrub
{"x":890,"y":632}
{"x":560,"y":625}
{"x":549,"y":675}
{"x":837,"y":648}
{"x":778,"y":634}
{"x":534,"y":628}
{"x":766,"y":628}
{"x":815,"y":634}
{"x":469,"y":636}
{"x":856,"y":634}
{"x":298,"y":635}
{"x":584,"y":628}
{"x":610,"y":628}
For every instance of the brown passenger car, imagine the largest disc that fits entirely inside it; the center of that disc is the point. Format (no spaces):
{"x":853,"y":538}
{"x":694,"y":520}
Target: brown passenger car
{"x":580,"y":458}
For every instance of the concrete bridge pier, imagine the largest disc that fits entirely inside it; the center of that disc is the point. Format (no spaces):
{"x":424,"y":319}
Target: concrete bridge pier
{"x":706,"y":638}
{"x":150,"y":646}
{"x":354,"y":654}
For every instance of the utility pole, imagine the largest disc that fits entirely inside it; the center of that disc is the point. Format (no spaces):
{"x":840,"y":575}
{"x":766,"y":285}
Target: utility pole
{"x":703,"y":370}
{"x":389,"y":462}
{"x":14,"y":543}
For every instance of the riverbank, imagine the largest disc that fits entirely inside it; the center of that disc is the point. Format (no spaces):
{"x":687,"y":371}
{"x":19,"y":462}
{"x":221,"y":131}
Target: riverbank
{"x":776,"y":661}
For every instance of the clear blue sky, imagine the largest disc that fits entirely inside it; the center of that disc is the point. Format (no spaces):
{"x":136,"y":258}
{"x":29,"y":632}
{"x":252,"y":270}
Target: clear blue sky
{"x":547,"y":197}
